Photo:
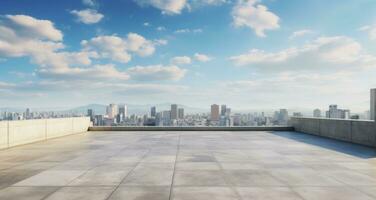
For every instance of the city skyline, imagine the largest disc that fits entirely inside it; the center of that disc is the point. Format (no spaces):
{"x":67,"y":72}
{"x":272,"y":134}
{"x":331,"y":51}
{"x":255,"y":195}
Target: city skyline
{"x":250,"y":54}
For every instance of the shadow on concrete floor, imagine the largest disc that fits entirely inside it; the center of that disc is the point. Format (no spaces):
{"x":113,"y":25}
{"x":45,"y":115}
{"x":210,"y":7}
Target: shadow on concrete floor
{"x":332,"y":144}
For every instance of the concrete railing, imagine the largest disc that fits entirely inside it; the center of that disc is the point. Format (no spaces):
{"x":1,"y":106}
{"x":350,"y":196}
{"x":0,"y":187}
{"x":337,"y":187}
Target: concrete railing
{"x":355,"y":131}
{"x":190,"y":128}
{"x":13,"y":133}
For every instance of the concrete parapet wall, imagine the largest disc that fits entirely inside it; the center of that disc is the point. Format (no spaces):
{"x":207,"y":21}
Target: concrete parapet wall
{"x":355,"y":131}
{"x":178,"y":128}
{"x":13,"y":133}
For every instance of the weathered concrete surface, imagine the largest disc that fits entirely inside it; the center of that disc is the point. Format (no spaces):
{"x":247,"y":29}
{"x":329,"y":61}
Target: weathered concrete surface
{"x":13,"y":133}
{"x":3,"y":135}
{"x":188,"y":166}
{"x":355,"y":131}
{"x":191,"y":128}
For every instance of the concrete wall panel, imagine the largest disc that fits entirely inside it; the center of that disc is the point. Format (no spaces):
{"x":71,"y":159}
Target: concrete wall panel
{"x":3,"y":135}
{"x":355,"y":131}
{"x":13,"y":133}
{"x":26,"y":131}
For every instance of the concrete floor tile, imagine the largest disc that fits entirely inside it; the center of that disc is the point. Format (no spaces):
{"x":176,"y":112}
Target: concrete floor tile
{"x":204,"y":193}
{"x":331,"y":193}
{"x":81,"y":193}
{"x":51,"y":178}
{"x":267,"y":193}
{"x":25,"y":193}
{"x":141,"y":193}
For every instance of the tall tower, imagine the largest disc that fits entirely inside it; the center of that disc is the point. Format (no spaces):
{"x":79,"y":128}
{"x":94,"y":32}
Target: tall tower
{"x":373,"y":104}
{"x":214,"y":112}
{"x":174,"y":111}
{"x":112,"y":111}
{"x":153,"y":111}
{"x":223,"y":110}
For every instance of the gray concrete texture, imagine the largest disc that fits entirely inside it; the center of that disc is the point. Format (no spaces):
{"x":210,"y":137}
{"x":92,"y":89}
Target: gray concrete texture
{"x":13,"y":133}
{"x":188,"y":166}
{"x":355,"y":131}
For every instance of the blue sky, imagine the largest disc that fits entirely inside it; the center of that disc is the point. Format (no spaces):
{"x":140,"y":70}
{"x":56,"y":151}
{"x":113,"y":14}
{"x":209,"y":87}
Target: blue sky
{"x":249,"y":54}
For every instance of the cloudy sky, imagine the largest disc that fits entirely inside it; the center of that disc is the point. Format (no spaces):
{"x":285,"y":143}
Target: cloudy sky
{"x":249,"y":54}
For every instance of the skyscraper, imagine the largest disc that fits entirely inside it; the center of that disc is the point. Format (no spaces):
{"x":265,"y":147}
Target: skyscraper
{"x":123,"y":109}
{"x":214,"y":112}
{"x":223,"y":110}
{"x":112,"y":111}
{"x":153,"y":111}
{"x":181,"y":113}
{"x":174,"y":111}
{"x":90,"y":113}
{"x":373,"y":104}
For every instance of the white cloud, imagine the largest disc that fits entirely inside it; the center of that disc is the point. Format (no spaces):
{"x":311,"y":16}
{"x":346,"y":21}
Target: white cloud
{"x":97,"y":72}
{"x":250,"y":13}
{"x":181,"y":60}
{"x":161,"y":28}
{"x":169,"y":7}
{"x":174,"y":7}
{"x":186,"y":30}
{"x":90,"y":3}
{"x":120,"y":49}
{"x":88,"y":16}
{"x":156,"y":73}
{"x":323,"y":53}
{"x":202,"y":57}
{"x":371,"y":30}
{"x":32,"y":28}
{"x":146,"y":24}
{"x":300,"y":33}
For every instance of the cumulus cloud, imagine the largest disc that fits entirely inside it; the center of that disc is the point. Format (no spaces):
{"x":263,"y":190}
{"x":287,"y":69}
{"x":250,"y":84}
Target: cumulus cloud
{"x":156,"y":73}
{"x":88,"y":16}
{"x":300,"y":33}
{"x":90,"y":3}
{"x":169,"y":7}
{"x":97,"y":72}
{"x":371,"y":30}
{"x":249,"y":13}
{"x":202,"y":57}
{"x":323,"y":53}
{"x":120,"y":49}
{"x":31,"y":28}
{"x":174,"y":7}
{"x":181,"y":60}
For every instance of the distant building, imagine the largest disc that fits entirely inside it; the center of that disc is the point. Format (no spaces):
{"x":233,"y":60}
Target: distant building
{"x":90,"y":113}
{"x":336,"y":113}
{"x":317,"y":113}
{"x":153,"y":111}
{"x":214,"y":112}
{"x":181,"y":113}
{"x":223,"y":110}
{"x":123,"y":109}
{"x":112,"y":111}
{"x":174,"y":112}
{"x":297,"y":114}
{"x":166,"y":117}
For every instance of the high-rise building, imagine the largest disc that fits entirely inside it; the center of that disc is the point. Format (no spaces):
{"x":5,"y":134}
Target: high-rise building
{"x":317,"y":113}
{"x":373,"y":104}
{"x":214,"y":112}
{"x":223,"y":110}
{"x":336,"y":113}
{"x":174,"y":111}
{"x":283,"y":116}
{"x":90,"y":113}
{"x":153,"y":111}
{"x":112,"y":111}
{"x":181,"y":113}
{"x":123,"y":110}
{"x":27,"y":114}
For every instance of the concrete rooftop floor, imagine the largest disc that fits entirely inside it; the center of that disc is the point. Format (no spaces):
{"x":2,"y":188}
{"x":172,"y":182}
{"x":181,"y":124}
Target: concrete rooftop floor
{"x":188,"y":166}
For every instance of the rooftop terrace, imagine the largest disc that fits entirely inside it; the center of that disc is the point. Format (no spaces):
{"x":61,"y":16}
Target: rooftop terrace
{"x":188,"y":166}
